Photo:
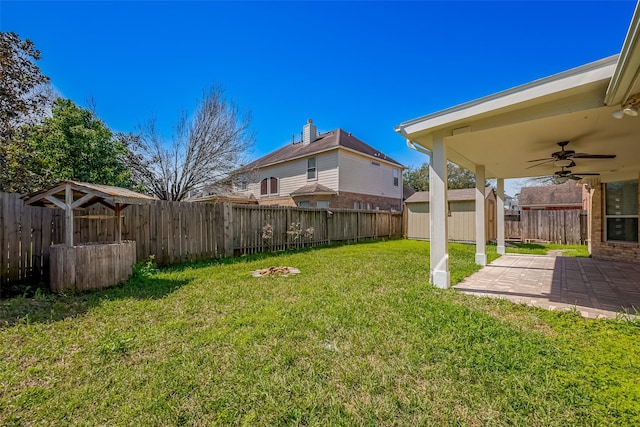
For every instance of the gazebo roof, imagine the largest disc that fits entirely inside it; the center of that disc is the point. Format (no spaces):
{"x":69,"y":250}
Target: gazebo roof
{"x":86,"y":194}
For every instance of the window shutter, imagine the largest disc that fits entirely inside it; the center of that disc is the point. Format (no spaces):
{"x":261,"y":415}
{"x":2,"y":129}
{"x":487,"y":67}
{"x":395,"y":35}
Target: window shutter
{"x":263,"y":187}
{"x":274,"y":186}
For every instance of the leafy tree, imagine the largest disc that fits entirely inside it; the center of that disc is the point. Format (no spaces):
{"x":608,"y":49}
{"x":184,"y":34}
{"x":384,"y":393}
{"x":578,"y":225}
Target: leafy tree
{"x":207,"y":148}
{"x":71,"y":144}
{"x":24,"y":91}
{"x":458,"y":177}
{"x":25,"y":97}
{"x":417,"y":178}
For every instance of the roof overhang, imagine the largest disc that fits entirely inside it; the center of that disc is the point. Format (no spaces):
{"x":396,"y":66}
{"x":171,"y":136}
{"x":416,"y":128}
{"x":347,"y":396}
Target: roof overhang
{"x":86,"y":194}
{"x":626,"y":78}
{"x":506,"y":130}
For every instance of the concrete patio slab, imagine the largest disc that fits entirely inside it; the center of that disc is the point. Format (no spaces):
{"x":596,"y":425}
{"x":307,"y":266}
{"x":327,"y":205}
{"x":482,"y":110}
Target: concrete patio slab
{"x":596,"y":288}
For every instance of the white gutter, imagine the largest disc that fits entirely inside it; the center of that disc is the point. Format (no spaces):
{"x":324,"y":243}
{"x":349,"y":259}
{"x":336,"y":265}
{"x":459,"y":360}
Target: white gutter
{"x":419,"y":148}
{"x":627,"y":71}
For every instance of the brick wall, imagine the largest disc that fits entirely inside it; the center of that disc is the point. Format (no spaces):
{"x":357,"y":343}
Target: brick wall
{"x":600,"y":248}
{"x":347,"y":201}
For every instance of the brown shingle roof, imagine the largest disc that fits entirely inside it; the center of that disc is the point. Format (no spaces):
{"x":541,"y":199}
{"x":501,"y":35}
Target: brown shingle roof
{"x":566,"y":194}
{"x":453,"y":195}
{"x":326,"y":141}
{"x":314,"y":188}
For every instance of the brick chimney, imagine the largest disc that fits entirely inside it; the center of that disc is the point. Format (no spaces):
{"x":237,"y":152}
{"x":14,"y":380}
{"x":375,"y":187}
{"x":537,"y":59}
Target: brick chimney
{"x":309,"y":133}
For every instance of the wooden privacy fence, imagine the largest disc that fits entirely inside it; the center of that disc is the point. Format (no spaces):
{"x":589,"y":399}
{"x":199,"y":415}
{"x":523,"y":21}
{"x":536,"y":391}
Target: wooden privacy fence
{"x":179,"y":231}
{"x":26,"y":235}
{"x":567,"y":226}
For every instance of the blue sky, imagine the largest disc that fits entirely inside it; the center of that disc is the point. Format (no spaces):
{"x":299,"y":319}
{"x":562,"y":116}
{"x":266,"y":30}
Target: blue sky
{"x":361,"y":66}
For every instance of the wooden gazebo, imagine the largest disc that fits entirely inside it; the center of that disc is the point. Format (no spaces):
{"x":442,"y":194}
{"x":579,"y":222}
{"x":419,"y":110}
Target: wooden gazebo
{"x":96,"y":265}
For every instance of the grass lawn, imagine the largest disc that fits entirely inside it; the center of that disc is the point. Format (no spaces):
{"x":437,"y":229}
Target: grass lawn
{"x":543,"y":248}
{"x":357,"y":338}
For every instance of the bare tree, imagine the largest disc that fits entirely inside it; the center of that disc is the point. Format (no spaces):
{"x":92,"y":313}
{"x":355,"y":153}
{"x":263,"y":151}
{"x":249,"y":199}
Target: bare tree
{"x":206,"y":149}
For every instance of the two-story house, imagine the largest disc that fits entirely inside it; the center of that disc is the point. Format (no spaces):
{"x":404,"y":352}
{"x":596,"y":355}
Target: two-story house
{"x":332,"y":169}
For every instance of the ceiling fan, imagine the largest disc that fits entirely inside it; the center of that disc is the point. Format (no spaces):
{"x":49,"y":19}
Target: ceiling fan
{"x":565,"y":174}
{"x":564,"y":158}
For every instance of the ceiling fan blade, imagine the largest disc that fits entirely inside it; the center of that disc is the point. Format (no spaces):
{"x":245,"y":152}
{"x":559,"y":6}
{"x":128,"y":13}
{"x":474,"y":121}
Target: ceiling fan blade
{"x":541,"y":163}
{"x":593,"y":156}
{"x":539,"y":160}
{"x":587,"y":174}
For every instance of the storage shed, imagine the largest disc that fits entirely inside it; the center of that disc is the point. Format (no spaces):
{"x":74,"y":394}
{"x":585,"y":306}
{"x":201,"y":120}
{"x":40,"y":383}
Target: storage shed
{"x":462,"y":207}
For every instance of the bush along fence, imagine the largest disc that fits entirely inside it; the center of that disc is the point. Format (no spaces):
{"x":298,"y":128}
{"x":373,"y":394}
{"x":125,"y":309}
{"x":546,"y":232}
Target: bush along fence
{"x":179,"y":231}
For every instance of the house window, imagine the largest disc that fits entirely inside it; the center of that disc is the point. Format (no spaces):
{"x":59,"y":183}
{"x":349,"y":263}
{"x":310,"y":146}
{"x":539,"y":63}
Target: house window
{"x":269,"y":186}
{"x":322,"y":204}
{"x":396,"y":177}
{"x":621,"y":211}
{"x":304,"y":204}
{"x":375,"y":164}
{"x":311,"y":169}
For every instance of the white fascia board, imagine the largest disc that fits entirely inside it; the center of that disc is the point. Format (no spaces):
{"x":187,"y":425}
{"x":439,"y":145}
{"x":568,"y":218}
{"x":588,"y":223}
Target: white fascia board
{"x":628,"y":69}
{"x":567,"y":80}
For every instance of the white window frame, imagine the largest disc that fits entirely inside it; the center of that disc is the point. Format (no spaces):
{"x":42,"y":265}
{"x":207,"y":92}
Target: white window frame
{"x":606,"y":216}
{"x":312,"y":169}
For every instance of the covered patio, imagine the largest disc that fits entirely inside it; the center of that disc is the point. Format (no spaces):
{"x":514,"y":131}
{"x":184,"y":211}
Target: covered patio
{"x":596,"y":288}
{"x":580,"y":124}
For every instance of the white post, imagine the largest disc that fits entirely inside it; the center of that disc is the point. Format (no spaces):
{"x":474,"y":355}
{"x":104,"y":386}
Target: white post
{"x":481,"y":236}
{"x":439,"y":256}
{"x":500,"y":216}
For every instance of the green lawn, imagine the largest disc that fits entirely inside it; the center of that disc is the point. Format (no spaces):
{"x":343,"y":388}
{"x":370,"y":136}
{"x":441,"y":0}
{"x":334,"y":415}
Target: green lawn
{"x":357,"y":338}
{"x":543,"y":248}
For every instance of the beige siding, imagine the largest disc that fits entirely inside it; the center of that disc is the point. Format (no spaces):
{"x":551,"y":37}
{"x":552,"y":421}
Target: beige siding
{"x":418,"y":221}
{"x":293,"y":174}
{"x":462,"y":221}
{"x":359,"y":175}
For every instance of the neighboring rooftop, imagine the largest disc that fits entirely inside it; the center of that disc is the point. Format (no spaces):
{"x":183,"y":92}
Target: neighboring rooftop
{"x":452,"y":195}
{"x":324,"y":142}
{"x":567,"y":194}
{"x":312,"y":189}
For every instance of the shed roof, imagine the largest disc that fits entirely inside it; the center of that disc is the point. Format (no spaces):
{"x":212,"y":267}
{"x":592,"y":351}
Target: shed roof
{"x":327,"y":141}
{"x":567,"y":194}
{"x":88,"y":194}
{"x":452,"y":195}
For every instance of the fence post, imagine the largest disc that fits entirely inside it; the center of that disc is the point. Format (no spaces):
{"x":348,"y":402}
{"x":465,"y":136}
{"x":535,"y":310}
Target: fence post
{"x":227,"y":218}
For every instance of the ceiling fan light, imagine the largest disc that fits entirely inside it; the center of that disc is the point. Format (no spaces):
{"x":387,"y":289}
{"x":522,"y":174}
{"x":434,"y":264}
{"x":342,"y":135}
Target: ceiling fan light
{"x":618,"y":114}
{"x":563,"y":163}
{"x":630,"y":111}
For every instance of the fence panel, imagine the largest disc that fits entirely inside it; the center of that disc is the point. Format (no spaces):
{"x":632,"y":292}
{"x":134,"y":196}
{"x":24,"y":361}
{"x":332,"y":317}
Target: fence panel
{"x":26,"y":235}
{"x":558,"y":226}
{"x":178,"y":231}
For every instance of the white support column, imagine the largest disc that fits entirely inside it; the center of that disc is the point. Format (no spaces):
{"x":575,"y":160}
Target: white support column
{"x":481,"y":236}
{"x":500,"y":216}
{"x":439,"y":256}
